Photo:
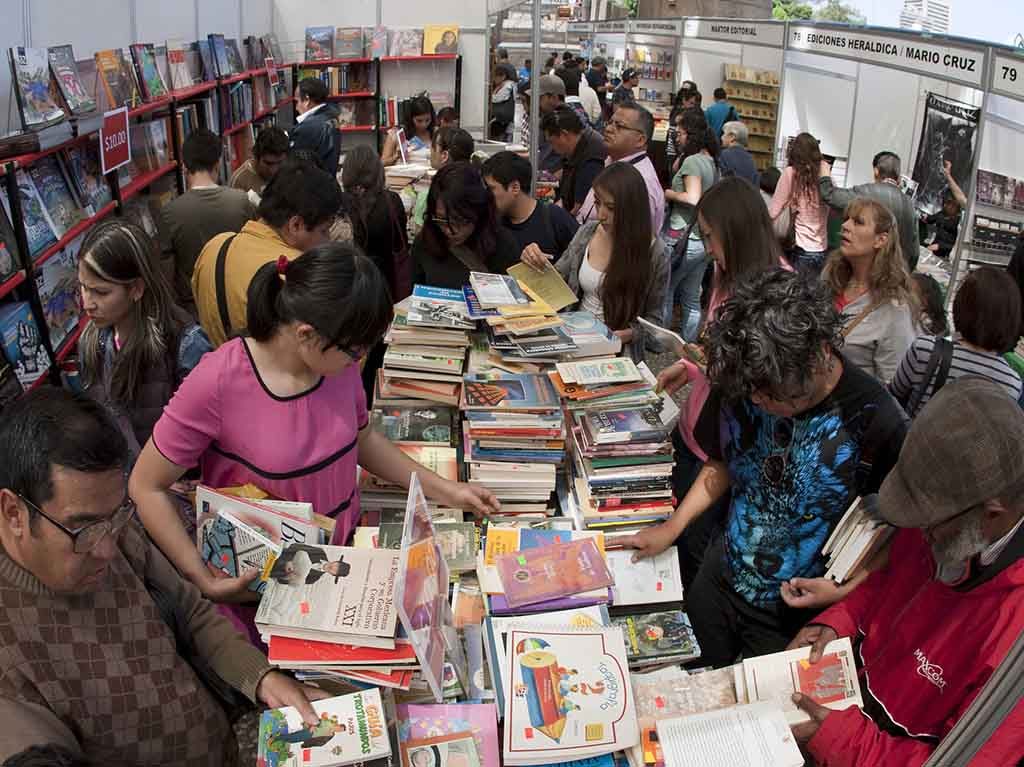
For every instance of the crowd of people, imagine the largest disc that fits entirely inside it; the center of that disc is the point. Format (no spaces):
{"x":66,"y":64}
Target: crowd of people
{"x":242,"y":348}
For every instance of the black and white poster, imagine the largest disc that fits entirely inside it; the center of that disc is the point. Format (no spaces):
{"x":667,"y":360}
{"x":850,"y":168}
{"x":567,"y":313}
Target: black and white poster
{"x":948,"y":134}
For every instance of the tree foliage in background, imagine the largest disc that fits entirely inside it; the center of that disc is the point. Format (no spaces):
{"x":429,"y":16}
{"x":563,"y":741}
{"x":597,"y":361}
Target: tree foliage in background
{"x":822,"y":10}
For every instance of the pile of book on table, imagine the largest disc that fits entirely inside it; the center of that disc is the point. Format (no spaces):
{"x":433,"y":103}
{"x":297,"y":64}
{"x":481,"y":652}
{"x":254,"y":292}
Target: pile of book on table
{"x":621,"y":470}
{"x":426,"y":352}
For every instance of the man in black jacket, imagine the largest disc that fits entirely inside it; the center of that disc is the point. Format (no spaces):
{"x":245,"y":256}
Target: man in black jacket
{"x":315,"y":135}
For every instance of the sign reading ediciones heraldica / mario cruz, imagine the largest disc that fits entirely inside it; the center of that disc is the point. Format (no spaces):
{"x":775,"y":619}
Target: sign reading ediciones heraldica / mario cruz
{"x":948,"y":62}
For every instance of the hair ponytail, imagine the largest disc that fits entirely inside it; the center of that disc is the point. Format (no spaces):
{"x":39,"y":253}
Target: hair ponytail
{"x":333,"y":287}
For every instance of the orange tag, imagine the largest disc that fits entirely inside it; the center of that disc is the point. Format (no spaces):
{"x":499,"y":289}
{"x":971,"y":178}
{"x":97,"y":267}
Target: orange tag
{"x":528,"y":733}
{"x":304,"y":608}
{"x":659,"y":702}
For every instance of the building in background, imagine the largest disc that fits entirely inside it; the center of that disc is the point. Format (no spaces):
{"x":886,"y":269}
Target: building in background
{"x":926,"y":16}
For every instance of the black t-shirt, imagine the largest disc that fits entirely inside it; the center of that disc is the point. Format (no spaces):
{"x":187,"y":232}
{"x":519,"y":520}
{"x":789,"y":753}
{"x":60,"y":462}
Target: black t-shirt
{"x":792,"y":479}
{"x":550,"y":226}
{"x":596,"y":80}
{"x":449,"y":272}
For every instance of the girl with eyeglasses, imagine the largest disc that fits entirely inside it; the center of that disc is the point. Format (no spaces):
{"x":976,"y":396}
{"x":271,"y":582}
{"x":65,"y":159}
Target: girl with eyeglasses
{"x":283,"y":408}
{"x":460,"y":231}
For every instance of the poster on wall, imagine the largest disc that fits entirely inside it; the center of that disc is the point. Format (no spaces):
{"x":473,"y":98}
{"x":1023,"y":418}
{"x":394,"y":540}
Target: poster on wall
{"x":948,"y":133}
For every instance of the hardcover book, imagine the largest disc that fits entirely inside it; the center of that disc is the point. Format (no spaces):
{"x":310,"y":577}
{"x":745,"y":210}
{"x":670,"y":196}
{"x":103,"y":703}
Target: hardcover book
{"x":65,"y":73}
{"x":319,"y":43}
{"x":330,"y":590}
{"x":553,"y":571}
{"x":49,"y":181}
{"x":352,"y":729}
{"x":39,"y":229}
{"x":181,"y":77}
{"x":567,"y":695}
{"x":118,"y":83}
{"x":30,"y":68}
{"x":219,"y":54}
{"x":144,"y":56}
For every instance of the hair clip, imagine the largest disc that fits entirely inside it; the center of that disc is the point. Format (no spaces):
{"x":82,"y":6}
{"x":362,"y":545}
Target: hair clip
{"x":282,"y":266}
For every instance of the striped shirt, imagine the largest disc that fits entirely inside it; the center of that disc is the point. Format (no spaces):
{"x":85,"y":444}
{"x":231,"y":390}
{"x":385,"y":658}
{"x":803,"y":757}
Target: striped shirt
{"x":965,"y":362}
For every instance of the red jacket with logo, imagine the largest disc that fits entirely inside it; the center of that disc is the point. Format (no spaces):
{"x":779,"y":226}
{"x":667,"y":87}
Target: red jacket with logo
{"x":927,"y":650}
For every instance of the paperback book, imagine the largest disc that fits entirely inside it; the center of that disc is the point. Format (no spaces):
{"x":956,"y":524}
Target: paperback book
{"x":553,"y":571}
{"x":235,"y":60}
{"x":57,"y":286}
{"x":219,"y":54}
{"x":65,"y":73}
{"x":753,"y":735}
{"x":417,"y":722}
{"x":30,"y":68}
{"x":658,"y":638}
{"x":22,"y":342}
{"x":10,"y":261}
{"x":53,"y":189}
{"x":117,"y":81}
{"x":416,"y":426}
{"x":406,"y":42}
{"x":651,"y":580}
{"x":348,"y":43}
{"x":39,"y":229}
{"x":144,"y":56}
{"x":177,"y":65}
{"x":352,"y":729}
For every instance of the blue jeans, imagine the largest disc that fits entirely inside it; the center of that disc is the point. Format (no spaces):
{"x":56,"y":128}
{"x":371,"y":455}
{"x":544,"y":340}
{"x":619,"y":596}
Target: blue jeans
{"x":688,"y":263}
{"x":808,"y":262}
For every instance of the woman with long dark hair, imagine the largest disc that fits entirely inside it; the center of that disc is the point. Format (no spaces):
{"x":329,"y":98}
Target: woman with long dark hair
{"x":797,"y":192}
{"x":139,"y":345}
{"x":696,"y":172}
{"x":460,"y":231}
{"x":283,"y":409}
{"x":615,"y":264}
{"x":418,"y":126}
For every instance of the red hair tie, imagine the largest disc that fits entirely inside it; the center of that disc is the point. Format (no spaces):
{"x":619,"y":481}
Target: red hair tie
{"x":282,"y":266}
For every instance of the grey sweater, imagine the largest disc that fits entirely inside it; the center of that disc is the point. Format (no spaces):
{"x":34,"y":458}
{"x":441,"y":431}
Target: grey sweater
{"x":569,"y":267}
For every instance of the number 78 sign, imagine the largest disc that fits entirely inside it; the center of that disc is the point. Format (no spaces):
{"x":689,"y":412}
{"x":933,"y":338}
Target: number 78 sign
{"x":1008,"y":76}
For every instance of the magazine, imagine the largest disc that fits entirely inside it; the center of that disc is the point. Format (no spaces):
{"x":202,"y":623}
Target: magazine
{"x":352,"y":729}
{"x":31,"y":68}
{"x":567,"y":694}
{"x":65,"y":72}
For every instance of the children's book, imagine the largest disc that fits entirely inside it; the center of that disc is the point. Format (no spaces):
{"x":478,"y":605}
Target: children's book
{"x":31,"y":69}
{"x":352,"y":729}
{"x":553,"y":571}
{"x":144,"y":56}
{"x":65,"y":72}
{"x":53,"y":189}
{"x":319,"y":43}
{"x":331,"y":593}
{"x":348,"y":43}
{"x":567,"y":694}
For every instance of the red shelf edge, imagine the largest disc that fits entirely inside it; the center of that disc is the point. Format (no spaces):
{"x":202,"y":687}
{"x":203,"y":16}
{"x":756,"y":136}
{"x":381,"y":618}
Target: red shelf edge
{"x":71,"y":340}
{"x":234,"y":78}
{"x":331,"y":62}
{"x":195,"y":90}
{"x":423,"y":57}
{"x":12,"y":282}
{"x":24,"y":160}
{"x":150,"y":106}
{"x":143,"y":181}
{"x":351,"y":95}
{"x":72,"y":233}
{"x":236,"y":128}
{"x":357,"y":128}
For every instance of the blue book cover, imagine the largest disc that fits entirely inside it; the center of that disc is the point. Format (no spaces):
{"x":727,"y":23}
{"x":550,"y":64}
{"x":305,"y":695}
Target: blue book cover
{"x":53,"y":190}
{"x":23,"y":343}
{"x":39,"y":230}
{"x":476,"y":311}
{"x":219,"y":50}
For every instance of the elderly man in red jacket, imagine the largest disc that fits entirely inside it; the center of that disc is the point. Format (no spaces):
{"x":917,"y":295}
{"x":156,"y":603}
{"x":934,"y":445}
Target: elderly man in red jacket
{"x":937,"y":620}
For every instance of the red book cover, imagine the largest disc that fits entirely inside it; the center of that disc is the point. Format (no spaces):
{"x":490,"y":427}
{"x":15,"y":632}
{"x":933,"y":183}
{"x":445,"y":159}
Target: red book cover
{"x":295,"y":651}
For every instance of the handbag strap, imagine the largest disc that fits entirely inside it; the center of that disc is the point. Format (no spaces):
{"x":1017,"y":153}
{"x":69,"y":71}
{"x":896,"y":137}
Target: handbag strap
{"x":220,"y":280}
{"x":860,"y":317}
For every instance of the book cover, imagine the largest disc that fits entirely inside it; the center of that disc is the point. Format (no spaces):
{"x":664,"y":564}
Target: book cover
{"x":219,"y":55}
{"x":495,"y":290}
{"x":653,"y":637}
{"x":53,"y":190}
{"x":454,"y":750}
{"x":509,"y":391}
{"x":319,"y":43}
{"x":271,"y":48}
{"x":118,"y":85}
{"x":181,"y":77}
{"x":379,"y":42}
{"x":610,"y":370}
{"x":144,"y":56}
{"x":332,"y":589}
{"x":57,"y":285}
{"x":567,"y":694}
{"x":234,"y":56}
{"x":476,"y":310}
{"x":291,"y":652}
{"x":406,"y":42}
{"x":440,"y":38}
{"x":230,"y":547}
{"x":352,"y":729}
{"x":550,"y":572}
{"x":292,"y":523}
{"x":416,"y":426}
{"x":10,"y":260}
{"x":23,"y":343}
{"x":39,"y":229}
{"x":65,"y":73}
{"x":205,"y":49}
{"x":31,"y":69}
{"x":438,"y":307}
{"x":348,"y":43}
{"x":650,"y":581}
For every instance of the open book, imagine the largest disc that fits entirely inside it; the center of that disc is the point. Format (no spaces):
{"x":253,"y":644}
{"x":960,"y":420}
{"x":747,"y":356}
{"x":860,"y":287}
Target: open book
{"x":754,"y":735}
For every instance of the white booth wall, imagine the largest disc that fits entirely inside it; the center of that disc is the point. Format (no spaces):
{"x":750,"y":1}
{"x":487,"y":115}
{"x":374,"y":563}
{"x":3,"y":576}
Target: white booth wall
{"x":103,"y":24}
{"x":703,"y":61}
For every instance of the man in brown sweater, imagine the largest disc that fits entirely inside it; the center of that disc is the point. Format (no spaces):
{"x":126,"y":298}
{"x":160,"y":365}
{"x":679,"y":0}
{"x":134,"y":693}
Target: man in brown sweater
{"x":87,"y":659}
{"x":190,"y":221}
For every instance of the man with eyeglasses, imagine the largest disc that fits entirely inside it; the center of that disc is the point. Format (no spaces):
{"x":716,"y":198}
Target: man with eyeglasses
{"x":795,"y":433}
{"x":931,"y":625}
{"x":89,"y":660}
{"x":626,"y":137}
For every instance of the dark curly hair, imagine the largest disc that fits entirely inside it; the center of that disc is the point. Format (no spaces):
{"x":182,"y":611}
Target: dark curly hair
{"x":770,"y":335}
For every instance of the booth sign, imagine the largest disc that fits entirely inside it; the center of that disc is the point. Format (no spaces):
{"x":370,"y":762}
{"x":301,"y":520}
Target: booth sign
{"x":1008,"y":76}
{"x":736,"y":31}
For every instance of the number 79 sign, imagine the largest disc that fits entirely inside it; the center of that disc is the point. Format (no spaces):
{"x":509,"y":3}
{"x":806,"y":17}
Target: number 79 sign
{"x":1008,"y":76}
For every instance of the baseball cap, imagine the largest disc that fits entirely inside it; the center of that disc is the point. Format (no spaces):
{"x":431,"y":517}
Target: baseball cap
{"x":964,"y":448}
{"x":550,"y":85}
{"x":628,"y":74}
{"x":688,"y":86}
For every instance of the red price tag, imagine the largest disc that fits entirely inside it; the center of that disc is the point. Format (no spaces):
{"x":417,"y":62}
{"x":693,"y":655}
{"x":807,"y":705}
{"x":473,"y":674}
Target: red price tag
{"x":304,"y":608}
{"x":115,"y":144}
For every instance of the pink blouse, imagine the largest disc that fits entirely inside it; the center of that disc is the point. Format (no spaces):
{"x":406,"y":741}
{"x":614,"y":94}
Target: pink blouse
{"x":811,"y":227}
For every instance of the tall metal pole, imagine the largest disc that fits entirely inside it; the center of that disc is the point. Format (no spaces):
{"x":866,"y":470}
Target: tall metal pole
{"x":535,"y":72}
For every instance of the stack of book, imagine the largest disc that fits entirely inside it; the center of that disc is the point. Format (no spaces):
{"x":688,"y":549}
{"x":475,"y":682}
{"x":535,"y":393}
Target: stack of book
{"x":858,"y":537}
{"x":426,"y":353}
{"x":377,"y":494}
{"x":513,"y":438}
{"x":620,"y":474}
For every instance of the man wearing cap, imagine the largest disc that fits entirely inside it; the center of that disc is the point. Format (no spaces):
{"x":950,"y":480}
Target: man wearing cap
{"x":623,"y":94}
{"x":934,"y":623}
{"x":552,"y":95}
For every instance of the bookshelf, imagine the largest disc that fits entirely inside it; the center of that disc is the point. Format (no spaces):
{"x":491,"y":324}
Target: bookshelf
{"x":405,"y":76}
{"x":353,"y":87}
{"x":755,"y":95}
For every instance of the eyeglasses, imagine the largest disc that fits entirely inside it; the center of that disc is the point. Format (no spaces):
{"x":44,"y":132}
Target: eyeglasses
{"x":774,"y":466}
{"x":87,"y":538}
{"x":451,"y":224}
{"x":619,"y":125}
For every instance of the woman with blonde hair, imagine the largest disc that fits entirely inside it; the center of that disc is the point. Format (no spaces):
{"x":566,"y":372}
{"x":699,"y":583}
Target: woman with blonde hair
{"x":872,"y":290}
